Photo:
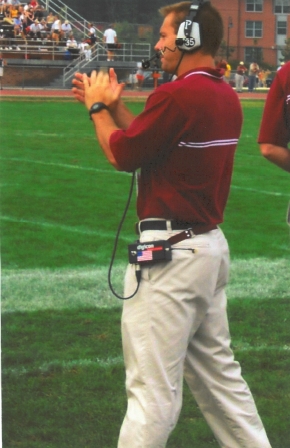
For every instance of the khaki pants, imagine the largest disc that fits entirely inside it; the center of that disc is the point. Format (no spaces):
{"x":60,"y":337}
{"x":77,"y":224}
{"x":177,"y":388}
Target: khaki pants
{"x":239,"y":82}
{"x":176,"y":326}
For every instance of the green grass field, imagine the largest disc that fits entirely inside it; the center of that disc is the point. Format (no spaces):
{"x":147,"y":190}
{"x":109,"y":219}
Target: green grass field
{"x":62,"y":366}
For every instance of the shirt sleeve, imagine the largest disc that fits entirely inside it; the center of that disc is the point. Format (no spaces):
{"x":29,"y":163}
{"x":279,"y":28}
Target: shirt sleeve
{"x":151,"y":134}
{"x":274,"y":126}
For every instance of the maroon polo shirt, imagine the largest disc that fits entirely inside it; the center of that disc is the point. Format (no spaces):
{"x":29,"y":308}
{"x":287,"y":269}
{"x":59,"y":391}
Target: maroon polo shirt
{"x":184,"y":142}
{"x":275,"y":126}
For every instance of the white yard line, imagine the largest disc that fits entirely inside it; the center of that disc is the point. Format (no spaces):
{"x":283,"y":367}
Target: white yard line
{"x":66,"y":365}
{"x":97,"y":170}
{"x":59,"y":289}
{"x":115,"y":361}
{"x":64,"y":165}
{"x":254,"y":190}
{"x":80,"y":230}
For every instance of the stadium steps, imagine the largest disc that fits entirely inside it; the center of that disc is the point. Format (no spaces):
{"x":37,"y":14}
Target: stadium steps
{"x":79,"y":23}
{"x":122,"y":69}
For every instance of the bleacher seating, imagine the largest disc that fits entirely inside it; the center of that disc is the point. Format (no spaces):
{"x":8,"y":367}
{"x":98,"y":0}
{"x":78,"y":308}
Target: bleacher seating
{"x":19,"y":48}
{"x":26,"y":47}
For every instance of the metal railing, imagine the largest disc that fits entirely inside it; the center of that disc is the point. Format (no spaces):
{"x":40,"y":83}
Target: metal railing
{"x":77,"y":64}
{"x":14,"y":48}
{"x":129,"y":52}
{"x":73,"y":60}
{"x":78,"y":22}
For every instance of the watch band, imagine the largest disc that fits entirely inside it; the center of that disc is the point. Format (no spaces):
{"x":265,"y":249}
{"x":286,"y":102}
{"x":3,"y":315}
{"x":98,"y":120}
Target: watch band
{"x":97,"y":107}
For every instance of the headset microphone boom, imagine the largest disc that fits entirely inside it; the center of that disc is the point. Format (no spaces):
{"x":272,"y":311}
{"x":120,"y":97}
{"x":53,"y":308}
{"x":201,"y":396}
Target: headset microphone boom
{"x":156,"y":57}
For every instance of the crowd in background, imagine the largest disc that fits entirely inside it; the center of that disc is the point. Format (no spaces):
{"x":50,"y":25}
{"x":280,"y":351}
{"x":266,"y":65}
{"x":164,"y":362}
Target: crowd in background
{"x":250,"y":77}
{"x":32,"y":21}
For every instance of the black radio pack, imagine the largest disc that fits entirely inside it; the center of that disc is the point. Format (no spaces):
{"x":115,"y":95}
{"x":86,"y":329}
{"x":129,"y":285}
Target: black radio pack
{"x":149,"y":252}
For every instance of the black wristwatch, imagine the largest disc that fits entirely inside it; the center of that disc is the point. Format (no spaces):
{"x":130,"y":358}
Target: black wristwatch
{"x":97,"y":107}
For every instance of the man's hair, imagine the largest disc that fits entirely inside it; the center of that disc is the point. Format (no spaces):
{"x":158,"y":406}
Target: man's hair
{"x":209,"y":19}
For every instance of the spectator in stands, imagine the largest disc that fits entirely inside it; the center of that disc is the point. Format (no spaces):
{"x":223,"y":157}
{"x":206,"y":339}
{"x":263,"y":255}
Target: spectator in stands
{"x":22,"y":16}
{"x":13,"y":11}
{"x":35,"y":30}
{"x":4,"y":6}
{"x":71,"y":42}
{"x":66,"y":29}
{"x":92,"y":34}
{"x":18,"y":26}
{"x":8,"y":20}
{"x":72,"y":47}
{"x":33,"y":4}
{"x":56,"y":30}
{"x":85,"y":50}
{"x":17,"y":4}
{"x":110,"y":38}
{"x":45,"y":30}
{"x":39,"y":12}
{"x":50,"y":20}
{"x":27,"y":21}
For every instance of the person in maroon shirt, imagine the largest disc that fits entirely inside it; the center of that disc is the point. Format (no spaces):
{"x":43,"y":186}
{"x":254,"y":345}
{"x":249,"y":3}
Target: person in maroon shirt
{"x":176,"y":324}
{"x":274,"y":134}
{"x":33,"y":4}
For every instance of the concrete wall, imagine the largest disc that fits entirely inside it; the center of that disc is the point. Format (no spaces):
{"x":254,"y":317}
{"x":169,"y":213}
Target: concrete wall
{"x":25,"y":76}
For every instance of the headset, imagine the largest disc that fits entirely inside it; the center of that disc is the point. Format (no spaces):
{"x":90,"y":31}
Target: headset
{"x":189,"y":35}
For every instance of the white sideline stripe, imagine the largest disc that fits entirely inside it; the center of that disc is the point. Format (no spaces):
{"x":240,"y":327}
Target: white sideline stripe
{"x":253,"y":190}
{"x":65,"y":165}
{"x":66,"y":365}
{"x":61,"y":227}
{"x":97,"y":170}
{"x":109,"y":362}
{"x":56,"y":135}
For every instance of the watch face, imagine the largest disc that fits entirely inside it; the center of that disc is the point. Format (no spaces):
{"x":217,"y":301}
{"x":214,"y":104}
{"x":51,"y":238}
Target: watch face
{"x":97,"y":107}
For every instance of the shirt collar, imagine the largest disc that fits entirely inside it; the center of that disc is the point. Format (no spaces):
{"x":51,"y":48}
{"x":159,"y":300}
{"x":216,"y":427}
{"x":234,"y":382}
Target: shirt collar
{"x":216,"y":73}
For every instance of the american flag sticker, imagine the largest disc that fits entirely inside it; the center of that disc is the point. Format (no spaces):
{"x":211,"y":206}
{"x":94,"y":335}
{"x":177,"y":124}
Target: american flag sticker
{"x":147,"y":255}
{"x":144,"y":255}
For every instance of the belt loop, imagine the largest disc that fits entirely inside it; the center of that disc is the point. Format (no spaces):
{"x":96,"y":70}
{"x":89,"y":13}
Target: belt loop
{"x":168,"y":225}
{"x":137,"y":228}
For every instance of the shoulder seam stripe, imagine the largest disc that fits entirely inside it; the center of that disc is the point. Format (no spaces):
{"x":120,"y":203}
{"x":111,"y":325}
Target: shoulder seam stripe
{"x":209,"y":143}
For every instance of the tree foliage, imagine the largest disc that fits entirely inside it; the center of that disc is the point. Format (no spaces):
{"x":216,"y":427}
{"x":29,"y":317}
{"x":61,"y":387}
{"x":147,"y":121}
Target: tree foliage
{"x":286,"y":51}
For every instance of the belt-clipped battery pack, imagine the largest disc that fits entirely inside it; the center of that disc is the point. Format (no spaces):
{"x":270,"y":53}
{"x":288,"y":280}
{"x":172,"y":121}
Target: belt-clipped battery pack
{"x":149,"y":252}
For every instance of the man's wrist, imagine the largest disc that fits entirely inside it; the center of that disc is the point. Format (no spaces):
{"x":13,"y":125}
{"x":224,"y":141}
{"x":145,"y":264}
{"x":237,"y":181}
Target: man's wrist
{"x":97,"y":107}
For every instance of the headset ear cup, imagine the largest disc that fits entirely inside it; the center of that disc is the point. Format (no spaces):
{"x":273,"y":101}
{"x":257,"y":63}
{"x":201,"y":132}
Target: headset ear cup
{"x":191,"y":42}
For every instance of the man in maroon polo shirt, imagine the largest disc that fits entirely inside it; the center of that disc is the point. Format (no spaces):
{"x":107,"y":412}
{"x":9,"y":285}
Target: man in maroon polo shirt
{"x":176,"y":325}
{"x":274,"y":134}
